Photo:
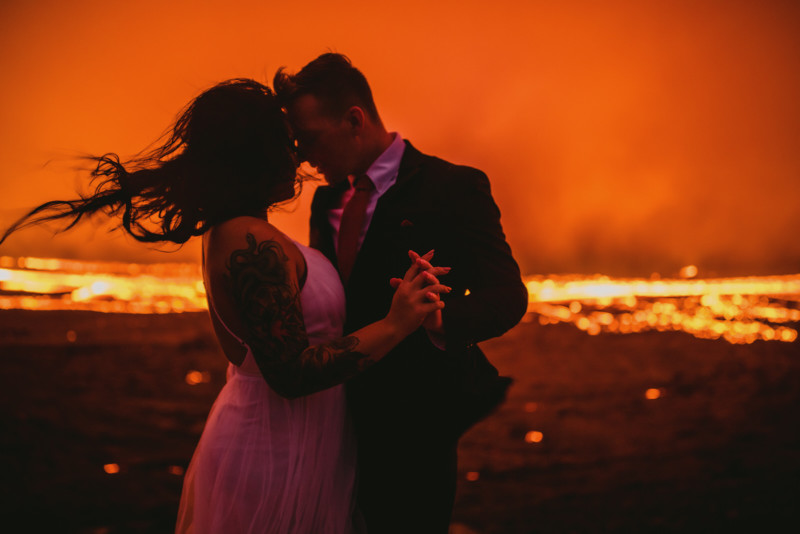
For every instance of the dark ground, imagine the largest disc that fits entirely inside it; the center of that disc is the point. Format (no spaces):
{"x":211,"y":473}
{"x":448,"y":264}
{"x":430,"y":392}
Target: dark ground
{"x":718,"y":452}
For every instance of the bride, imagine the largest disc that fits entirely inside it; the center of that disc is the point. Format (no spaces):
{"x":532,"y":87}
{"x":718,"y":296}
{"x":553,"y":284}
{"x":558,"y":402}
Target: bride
{"x":277,"y":454}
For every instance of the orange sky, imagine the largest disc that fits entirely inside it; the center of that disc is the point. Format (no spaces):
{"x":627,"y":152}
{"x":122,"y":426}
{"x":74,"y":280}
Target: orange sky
{"x":619,"y":138}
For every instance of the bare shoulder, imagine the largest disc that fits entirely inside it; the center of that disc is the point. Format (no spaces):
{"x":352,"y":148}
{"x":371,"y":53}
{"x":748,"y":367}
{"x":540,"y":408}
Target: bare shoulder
{"x":232,"y":233}
{"x":250,"y":240}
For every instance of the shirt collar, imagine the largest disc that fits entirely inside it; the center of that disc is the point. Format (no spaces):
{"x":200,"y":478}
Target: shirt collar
{"x":383,"y":171}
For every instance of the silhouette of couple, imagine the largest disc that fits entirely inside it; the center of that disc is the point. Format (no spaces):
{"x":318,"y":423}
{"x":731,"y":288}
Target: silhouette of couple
{"x":353,"y":366}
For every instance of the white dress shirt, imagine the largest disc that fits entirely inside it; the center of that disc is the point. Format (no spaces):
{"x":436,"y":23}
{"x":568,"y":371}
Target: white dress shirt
{"x":383,"y":173}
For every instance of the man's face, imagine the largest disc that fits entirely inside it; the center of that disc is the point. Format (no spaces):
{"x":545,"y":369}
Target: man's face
{"x":325,"y":142}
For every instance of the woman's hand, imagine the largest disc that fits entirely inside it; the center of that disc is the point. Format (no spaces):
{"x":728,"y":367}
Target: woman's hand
{"x":433,"y":322}
{"x":416,"y":294}
{"x":424,"y":263}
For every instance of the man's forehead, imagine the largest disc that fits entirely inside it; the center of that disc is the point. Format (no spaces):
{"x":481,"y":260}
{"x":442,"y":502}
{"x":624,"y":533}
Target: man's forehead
{"x":305,"y":108}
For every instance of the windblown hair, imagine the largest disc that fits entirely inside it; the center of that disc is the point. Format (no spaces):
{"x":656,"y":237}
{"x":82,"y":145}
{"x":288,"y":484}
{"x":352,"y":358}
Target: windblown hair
{"x":333,"y":80}
{"x":224,"y":157}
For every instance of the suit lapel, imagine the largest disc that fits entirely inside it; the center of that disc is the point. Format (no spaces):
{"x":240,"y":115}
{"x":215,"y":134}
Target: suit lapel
{"x":326,"y":197}
{"x":410,"y":167}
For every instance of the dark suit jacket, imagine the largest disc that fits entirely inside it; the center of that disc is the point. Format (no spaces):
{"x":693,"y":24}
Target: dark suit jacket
{"x":418,"y":395}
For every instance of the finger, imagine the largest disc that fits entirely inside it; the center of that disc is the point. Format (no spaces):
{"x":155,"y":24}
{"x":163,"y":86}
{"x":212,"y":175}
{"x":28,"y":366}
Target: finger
{"x":429,"y":278}
{"x":439,"y":271}
{"x":419,"y":262}
{"x":395,"y":282}
{"x":430,"y":307}
{"x":428,"y":256}
{"x":438,"y":288}
{"x":424,"y":264}
{"x":412,"y":271}
{"x":423,"y":279}
{"x":432,"y":296}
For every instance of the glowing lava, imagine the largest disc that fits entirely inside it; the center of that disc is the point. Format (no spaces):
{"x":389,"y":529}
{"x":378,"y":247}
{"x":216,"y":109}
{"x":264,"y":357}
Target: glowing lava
{"x":739,"y":310}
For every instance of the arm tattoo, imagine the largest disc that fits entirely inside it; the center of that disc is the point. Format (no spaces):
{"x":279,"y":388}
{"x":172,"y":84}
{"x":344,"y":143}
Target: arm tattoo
{"x":268,"y":301}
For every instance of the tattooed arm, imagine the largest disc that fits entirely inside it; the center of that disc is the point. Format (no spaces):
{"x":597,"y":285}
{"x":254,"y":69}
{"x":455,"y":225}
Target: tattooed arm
{"x":264,"y":285}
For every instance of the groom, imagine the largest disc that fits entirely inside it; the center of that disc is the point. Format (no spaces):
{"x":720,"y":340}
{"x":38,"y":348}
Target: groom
{"x":384,"y":198}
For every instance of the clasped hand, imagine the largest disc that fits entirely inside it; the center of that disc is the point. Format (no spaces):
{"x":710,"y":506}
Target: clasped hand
{"x":416,"y":299}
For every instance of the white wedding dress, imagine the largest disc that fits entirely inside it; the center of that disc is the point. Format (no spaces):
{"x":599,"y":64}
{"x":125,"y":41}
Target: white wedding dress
{"x":266,"y":464}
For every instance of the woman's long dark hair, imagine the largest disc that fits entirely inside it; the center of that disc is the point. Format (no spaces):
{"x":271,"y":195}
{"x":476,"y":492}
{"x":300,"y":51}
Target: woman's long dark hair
{"x":230,"y":153}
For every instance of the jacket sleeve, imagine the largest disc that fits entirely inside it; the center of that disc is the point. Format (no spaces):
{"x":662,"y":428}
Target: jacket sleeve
{"x":497,"y":298}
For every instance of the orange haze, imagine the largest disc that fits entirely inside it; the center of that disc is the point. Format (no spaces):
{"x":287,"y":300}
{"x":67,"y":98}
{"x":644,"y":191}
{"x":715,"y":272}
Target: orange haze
{"x":619,"y":137}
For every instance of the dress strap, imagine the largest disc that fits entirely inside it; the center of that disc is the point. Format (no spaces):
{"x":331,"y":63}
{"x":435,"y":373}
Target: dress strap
{"x":237,"y":338}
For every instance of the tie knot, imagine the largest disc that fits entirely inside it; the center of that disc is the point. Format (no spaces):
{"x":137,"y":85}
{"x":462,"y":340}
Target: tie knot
{"x":363,"y":183}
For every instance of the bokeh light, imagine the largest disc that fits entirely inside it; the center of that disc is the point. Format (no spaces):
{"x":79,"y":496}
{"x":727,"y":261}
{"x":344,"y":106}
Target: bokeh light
{"x":194,"y":378}
{"x":111,"y":469}
{"x":652,"y":393}
{"x":534,"y":436}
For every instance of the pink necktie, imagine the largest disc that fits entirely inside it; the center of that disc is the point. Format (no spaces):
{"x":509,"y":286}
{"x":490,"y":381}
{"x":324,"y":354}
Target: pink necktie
{"x":350,"y":226}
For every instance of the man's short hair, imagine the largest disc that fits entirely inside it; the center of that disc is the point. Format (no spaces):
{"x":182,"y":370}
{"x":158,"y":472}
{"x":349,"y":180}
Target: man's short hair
{"x":333,"y":80}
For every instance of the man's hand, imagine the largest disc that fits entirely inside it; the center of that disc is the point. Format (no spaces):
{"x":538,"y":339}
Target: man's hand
{"x":433,"y":322}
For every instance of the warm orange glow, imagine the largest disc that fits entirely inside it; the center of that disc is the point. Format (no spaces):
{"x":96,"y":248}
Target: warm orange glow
{"x":534,"y":436}
{"x":111,"y":469}
{"x":652,"y":394}
{"x":55,"y":284}
{"x":472,"y":476}
{"x":739,"y":310}
{"x":197,"y":377}
{"x":531,"y":407}
{"x":690,"y":271}
{"x":176,"y":470}
{"x":615,"y":135}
